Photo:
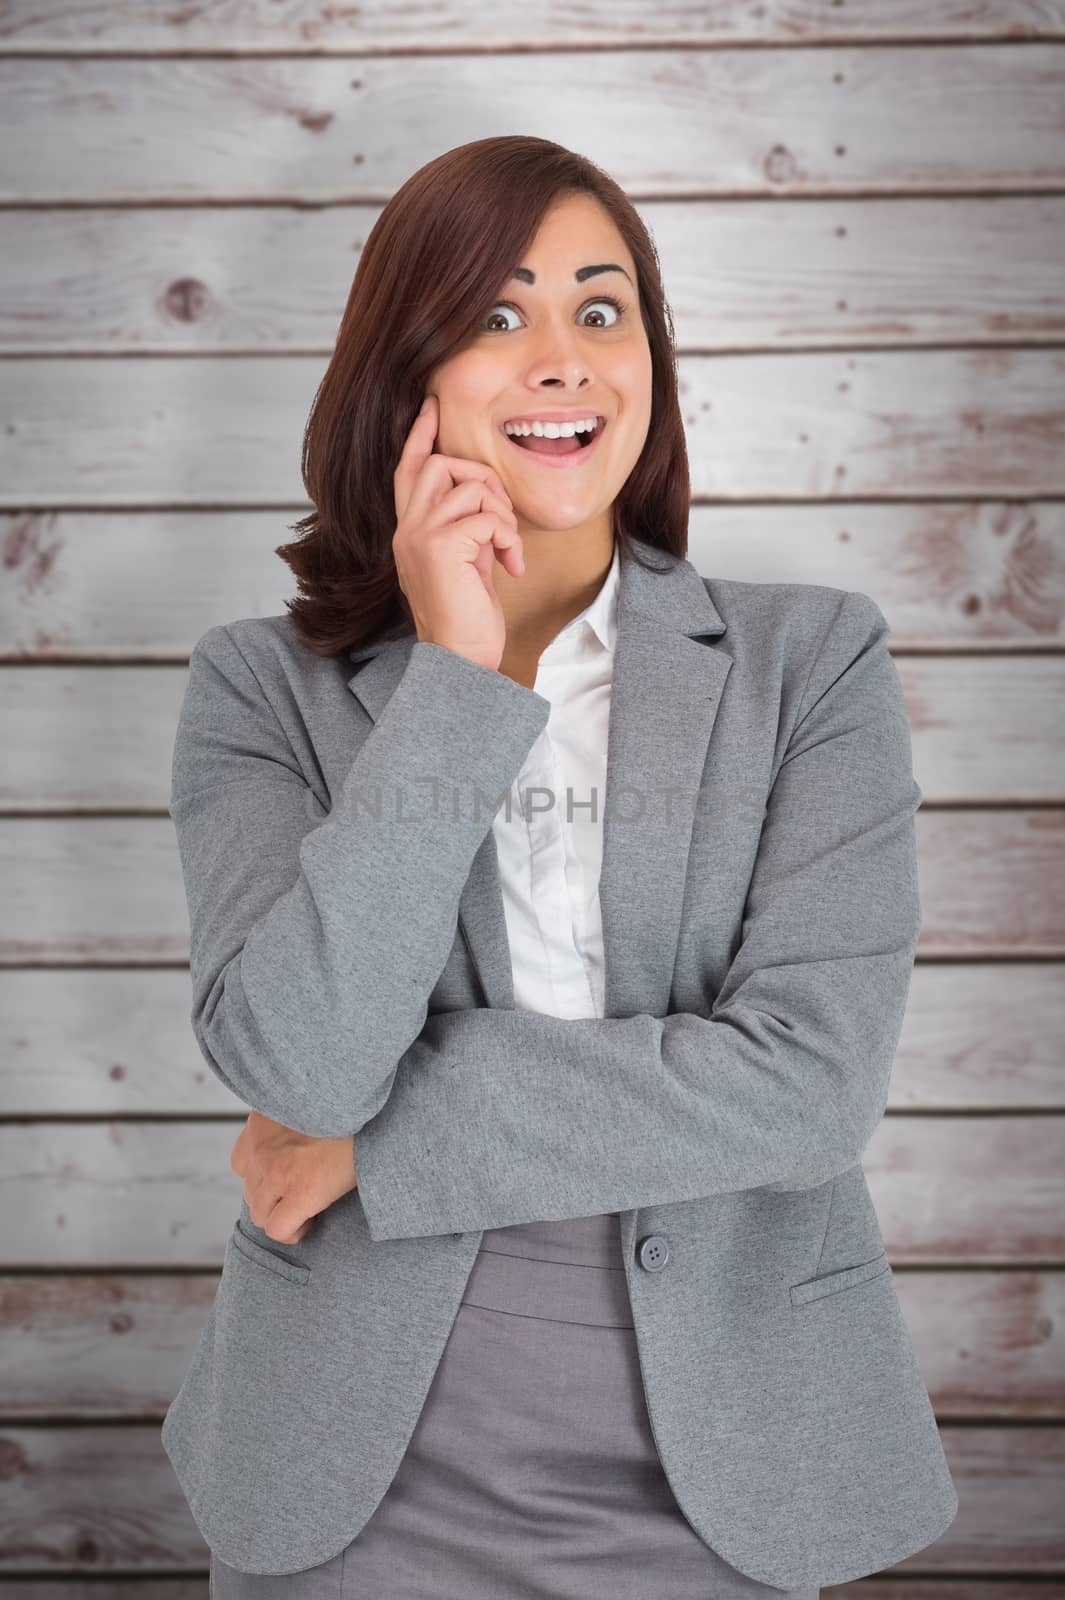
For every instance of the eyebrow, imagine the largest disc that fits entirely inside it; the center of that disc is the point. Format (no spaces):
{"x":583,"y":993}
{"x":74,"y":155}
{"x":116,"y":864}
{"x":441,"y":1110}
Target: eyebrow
{"x":581,"y":273}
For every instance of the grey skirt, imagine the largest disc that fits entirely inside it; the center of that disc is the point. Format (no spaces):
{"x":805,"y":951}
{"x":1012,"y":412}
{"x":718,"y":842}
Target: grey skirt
{"x":532,"y":1472}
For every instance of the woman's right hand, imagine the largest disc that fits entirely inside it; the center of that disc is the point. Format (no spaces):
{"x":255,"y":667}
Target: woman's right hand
{"x":454,"y":520}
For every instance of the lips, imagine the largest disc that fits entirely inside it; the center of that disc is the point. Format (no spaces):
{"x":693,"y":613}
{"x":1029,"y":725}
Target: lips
{"x":571,"y":458}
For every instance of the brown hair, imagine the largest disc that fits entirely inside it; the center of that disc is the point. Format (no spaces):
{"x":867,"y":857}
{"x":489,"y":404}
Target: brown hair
{"x":441,"y":249}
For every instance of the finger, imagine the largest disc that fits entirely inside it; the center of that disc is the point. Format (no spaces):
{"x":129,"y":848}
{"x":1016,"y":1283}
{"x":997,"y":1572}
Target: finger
{"x":423,"y":477}
{"x":239,"y":1154}
{"x":462,"y":468}
{"x":466,"y":499}
{"x":416,"y":451}
{"x":267,"y":1208}
{"x":288,"y":1221}
{"x":440,"y":474}
{"x":499,"y":541}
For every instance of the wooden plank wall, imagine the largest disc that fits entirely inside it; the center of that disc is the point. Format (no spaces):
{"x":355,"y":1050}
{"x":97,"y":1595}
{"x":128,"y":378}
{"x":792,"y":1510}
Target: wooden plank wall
{"x":860,"y":210}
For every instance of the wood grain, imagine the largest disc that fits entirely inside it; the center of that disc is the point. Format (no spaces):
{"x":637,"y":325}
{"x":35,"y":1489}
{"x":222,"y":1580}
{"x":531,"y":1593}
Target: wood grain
{"x":115,"y":1345}
{"x":981,"y":577}
{"x":979,"y":1036}
{"x":983,"y":731}
{"x":860,"y":214}
{"x":109,"y":889}
{"x":895,"y":270}
{"x":150,"y":1194}
{"x":311,"y":28}
{"x":62,"y":1485}
{"x":210,"y":431}
{"x":954,"y":118}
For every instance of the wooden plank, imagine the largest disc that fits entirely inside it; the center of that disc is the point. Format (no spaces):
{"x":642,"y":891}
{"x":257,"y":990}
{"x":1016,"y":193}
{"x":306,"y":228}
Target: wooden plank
{"x":306,"y":27}
{"x":102,"y":889}
{"x":100,"y":1041}
{"x":945,"y":575}
{"x":97,"y":1500}
{"x":896,"y":424}
{"x":193,"y":1585}
{"x":940,"y":1587}
{"x":187,"y":1587}
{"x":962,"y":1587}
{"x":145,"y":585}
{"x":889,"y":272}
{"x":63,"y":1484}
{"x":1010,"y":1492}
{"x":989,"y":1343}
{"x":928,"y":1177}
{"x":981,"y":1036}
{"x":127,"y":1194}
{"x":983,"y":729}
{"x":106,"y":1346}
{"x":114,"y":726}
{"x":109,"y":890}
{"x":115,"y":1346}
{"x":211,"y":431}
{"x":314,"y":130}
{"x":986,"y":730}
{"x":982,"y":882}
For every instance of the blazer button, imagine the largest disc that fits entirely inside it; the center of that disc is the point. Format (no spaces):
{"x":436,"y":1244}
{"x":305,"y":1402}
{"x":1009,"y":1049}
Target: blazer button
{"x":654,"y":1252}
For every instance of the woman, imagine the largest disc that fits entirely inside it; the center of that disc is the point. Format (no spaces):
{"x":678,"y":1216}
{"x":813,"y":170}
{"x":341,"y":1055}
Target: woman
{"x":561,"y":951}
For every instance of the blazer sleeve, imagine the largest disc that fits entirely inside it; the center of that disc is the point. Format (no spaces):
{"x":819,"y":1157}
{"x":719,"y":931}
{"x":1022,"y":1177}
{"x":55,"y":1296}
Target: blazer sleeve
{"x":315,"y":944}
{"x":501,"y":1117}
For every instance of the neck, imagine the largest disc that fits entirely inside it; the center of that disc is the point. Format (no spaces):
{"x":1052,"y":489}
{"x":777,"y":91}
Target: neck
{"x":564,"y":571}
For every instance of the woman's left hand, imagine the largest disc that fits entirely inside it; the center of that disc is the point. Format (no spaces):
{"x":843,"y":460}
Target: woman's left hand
{"x":290,"y":1177}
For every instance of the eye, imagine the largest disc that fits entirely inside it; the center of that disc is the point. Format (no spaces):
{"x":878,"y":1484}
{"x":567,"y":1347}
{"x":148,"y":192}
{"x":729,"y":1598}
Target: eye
{"x":604,"y":300}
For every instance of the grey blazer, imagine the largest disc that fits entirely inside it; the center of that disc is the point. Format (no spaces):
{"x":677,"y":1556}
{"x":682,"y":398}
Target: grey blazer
{"x":350,"y":975}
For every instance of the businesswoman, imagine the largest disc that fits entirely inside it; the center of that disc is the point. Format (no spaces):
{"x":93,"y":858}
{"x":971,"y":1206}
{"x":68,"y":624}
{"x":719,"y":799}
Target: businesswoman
{"x":560,"y":950}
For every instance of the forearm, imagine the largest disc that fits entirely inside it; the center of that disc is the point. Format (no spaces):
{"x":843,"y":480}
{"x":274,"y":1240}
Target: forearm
{"x":504,"y":1117}
{"x":315,"y":947}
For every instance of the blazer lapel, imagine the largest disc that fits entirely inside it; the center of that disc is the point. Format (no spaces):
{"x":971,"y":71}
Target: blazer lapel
{"x":666,"y":690}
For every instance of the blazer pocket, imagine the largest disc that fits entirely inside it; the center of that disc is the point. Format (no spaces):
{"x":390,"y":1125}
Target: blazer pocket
{"x":845,"y":1278}
{"x":293,"y":1271}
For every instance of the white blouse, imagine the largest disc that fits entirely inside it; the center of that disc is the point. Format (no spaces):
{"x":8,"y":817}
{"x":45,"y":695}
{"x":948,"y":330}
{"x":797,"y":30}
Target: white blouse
{"x":549,"y":833}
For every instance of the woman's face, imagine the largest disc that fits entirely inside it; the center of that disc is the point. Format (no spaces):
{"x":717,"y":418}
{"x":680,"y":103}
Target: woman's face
{"x":555,"y":343}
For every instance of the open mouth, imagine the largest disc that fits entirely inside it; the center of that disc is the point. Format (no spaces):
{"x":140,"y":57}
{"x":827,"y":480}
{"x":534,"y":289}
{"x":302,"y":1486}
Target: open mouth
{"x":562,"y":452}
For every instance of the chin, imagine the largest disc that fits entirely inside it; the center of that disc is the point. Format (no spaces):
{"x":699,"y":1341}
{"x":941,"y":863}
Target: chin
{"x":549,"y":521}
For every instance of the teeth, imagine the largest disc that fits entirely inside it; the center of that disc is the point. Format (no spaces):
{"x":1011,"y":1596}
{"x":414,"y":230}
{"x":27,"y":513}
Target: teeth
{"x":552,"y":430}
